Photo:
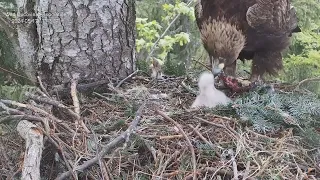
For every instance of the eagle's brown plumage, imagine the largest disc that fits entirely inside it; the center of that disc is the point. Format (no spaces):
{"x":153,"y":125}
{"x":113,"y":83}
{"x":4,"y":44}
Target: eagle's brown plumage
{"x":246,"y":29}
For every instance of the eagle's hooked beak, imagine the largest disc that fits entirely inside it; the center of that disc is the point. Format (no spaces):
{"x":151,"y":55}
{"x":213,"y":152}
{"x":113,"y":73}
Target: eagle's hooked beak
{"x":216,"y":67}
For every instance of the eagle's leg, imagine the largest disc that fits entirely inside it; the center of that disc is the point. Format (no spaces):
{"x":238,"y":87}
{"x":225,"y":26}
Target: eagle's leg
{"x":257,"y":72}
{"x":230,"y":70}
{"x":256,"y":75}
{"x":265,"y":62}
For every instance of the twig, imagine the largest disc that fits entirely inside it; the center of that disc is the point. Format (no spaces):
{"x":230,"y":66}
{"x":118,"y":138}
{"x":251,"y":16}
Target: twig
{"x":183,"y":84}
{"x":80,"y":87}
{"x":304,"y":81}
{"x":106,"y":149}
{"x":205,"y":66}
{"x":102,"y":166}
{"x":218,"y":125}
{"x":212,"y":123}
{"x":76,"y":104}
{"x":171,"y":136}
{"x":18,"y":115}
{"x":117,"y":91}
{"x":5,"y":156}
{"x":52,"y":102}
{"x":246,"y":173}
{"x":74,"y":175}
{"x":164,"y":166}
{"x":204,"y":139}
{"x":234,"y":165}
{"x":42,"y":87}
{"x":186,"y":137}
{"x":74,"y":96}
{"x":104,"y":97}
{"x":30,"y":107}
{"x":122,"y":81}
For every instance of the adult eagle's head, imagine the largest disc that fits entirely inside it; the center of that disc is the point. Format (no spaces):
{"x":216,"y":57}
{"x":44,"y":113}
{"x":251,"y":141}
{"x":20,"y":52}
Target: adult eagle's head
{"x":223,"y":42}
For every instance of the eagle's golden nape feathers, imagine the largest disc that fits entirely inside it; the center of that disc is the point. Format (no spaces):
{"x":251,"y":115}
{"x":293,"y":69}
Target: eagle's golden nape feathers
{"x":223,"y":41}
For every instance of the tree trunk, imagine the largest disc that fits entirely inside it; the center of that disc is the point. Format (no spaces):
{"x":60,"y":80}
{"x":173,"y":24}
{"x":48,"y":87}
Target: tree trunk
{"x":92,"y":39}
{"x":27,"y":37}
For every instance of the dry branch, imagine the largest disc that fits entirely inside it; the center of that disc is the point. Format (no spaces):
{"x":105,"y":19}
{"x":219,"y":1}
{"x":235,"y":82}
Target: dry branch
{"x":106,"y":149}
{"x":194,"y":163}
{"x":44,"y":90}
{"x":122,"y":81}
{"x":32,"y":108}
{"x":75,"y":97}
{"x":305,"y":81}
{"x":52,"y":102}
{"x":34,"y":144}
{"x":76,"y":104}
{"x":234,"y":165}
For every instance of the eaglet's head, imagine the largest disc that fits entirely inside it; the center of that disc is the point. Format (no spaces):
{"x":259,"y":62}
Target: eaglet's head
{"x":222,"y":41}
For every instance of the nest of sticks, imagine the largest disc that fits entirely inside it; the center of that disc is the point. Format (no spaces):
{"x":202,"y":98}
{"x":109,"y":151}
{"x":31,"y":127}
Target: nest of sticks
{"x":145,"y":130}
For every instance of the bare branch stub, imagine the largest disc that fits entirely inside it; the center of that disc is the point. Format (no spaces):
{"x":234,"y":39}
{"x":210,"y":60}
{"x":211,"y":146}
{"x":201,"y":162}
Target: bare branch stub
{"x":34,"y":145}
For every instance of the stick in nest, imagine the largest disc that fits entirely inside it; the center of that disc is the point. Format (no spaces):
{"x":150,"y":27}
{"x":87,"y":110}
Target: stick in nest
{"x":44,"y":90}
{"x":234,"y":165}
{"x":205,"y":140}
{"x":106,"y":149}
{"x":76,"y":103}
{"x":186,"y":137}
{"x":52,"y":102}
{"x":125,"y":79}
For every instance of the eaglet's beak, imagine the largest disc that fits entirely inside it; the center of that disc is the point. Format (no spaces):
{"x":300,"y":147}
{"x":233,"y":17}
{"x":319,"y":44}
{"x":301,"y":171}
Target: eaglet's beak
{"x":216,"y":67}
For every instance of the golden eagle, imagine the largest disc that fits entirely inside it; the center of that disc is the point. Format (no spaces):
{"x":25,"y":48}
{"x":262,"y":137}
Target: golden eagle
{"x":246,"y":29}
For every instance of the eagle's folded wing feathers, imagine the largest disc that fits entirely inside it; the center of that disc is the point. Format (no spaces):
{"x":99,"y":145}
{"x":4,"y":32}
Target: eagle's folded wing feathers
{"x":269,"y":16}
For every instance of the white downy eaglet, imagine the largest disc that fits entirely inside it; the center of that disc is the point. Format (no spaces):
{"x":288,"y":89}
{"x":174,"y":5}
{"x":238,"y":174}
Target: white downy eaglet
{"x":209,"y":96}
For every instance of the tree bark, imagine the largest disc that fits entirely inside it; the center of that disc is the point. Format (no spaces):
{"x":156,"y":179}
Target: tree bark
{"x":92,"y":39}
{"x":33,"y":153}
{"x":27,"y":37}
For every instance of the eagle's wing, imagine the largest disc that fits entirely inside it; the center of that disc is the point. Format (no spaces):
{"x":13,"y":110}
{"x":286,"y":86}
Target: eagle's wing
{"x":293,"y":21}
{"x":271,"y":16}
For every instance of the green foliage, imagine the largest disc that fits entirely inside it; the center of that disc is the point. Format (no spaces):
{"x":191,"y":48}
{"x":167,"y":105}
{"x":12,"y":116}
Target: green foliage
{"x":303,"y":58}
{"x":178,"y":8}
{"x":154,"y":35}
{"x":268,"y":112}
{"x":147,"y":33}
{"x":15,"y":92}
{"x":308,"y":12}
{"x":9,"y":66}
{"x":7,"y":3}
{"x":174,"y":67}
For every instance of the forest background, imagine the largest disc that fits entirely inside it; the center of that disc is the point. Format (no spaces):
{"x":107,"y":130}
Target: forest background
{"x":166,"y":30}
